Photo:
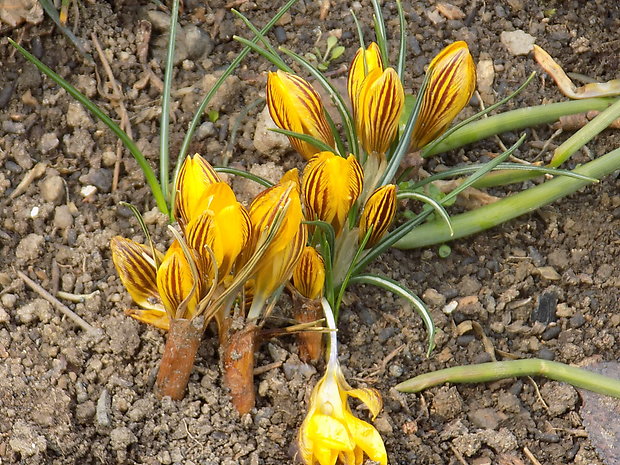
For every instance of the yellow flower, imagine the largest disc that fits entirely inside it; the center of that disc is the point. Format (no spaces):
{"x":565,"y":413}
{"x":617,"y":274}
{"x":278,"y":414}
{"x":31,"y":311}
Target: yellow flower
{"x":195,"y":176}
{"x":377,"y":98}
{"x":379,"y":213}
{"x":364,"y":62}
{"x":280,"y":203}
{"x":330,"y":431}
{"x":295,"y":106}
{"x":309,"y":274}
{"x":331,"y":184}
{"x":451,"y":83}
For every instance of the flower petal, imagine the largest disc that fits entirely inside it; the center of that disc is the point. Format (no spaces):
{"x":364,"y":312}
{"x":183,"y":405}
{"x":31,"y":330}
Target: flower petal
{"x":364,"y":62}
{"x":367,"y":438}
{"x":295,"y":106}
{"x":379,"y":103}
{"x":175,"y":283}
{"x":379,"y":212}
{"x":135,"y":266}
{"x":195,"y":175}
{"x":370,"y":398}
{"x":331,"y":184}
{"x":451,"y":83}
{"x":157,"y":318}
{"x":309,"y":274}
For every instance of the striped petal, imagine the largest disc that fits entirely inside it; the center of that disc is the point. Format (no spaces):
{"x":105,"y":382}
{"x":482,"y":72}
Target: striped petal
{"x":379,"y":103}
{"x":364,"y":62}
{"x":295,"y":106}
{"x":136,"y":268}
{"x":379,"y":213}
{"x":309,"y":274}
{"x":175,"y":283}
{"x":451,"y":83}
{"x":331,"y":184}
{"x":195,"y":175}
{"x":157,"y":318}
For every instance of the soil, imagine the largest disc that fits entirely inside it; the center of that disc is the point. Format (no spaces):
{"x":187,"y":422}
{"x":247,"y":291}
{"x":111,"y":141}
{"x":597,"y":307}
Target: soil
{"x":70,"y":397}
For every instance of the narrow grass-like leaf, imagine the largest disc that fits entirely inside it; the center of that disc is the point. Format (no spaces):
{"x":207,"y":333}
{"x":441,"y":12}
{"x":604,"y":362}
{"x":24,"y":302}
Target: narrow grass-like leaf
{"x":347,"y":120}
{"x":244,"y":174}
{"x":380,"y":32}
{"x":512,"y":206}
{"x":360,"y":33}
{"x":283,"y":66}
{"x":514,"y":120}
{"x":402,"y":49}
{"x":418,"y":304}
{"x":266,"y":54}
{"x":306,"y":138}
{"x":585,"y":134}
{"x":429,"y":148}
{"x":164,"y":127}
{"x":145,"y":230}
{"x":432,"y":202}
{"x":493,"y":371}
{"x":149,"y":174}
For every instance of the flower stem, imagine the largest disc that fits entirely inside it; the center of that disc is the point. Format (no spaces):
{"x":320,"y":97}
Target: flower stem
{"x":514,"y":120}
{"x":510,"y":207}
{"x":238,"y":366}
{"x":176,"y":366}
{"x":493,"y":371}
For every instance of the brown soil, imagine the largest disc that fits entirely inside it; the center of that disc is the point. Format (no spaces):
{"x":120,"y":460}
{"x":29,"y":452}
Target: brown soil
{"x":68,"y":397}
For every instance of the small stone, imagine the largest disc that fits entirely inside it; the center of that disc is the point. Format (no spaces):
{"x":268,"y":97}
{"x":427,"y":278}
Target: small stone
{"x":79,"y":144}
{"x":447,"y":403}
{"x":63,"y":218}
{"x":25,"y":440}
{"x":268,"y":142}
{"x":197,"y":42}
{"x":85,"y":412}
{"x":49,"y":141}
{"x":206,"y":129}
{"x":383,"y":425}
{"x":546,"y":354}
{"x":432,"y":297}
{"x":159,"y":20}
{"x":485,"y":418}
{"x":4,"y":316}
{"x":548,"y":272}
{"x":560,"y":397}
{"x":469,"y":285}
{"x":545,"y":312}
{"x":577,"y":321}
{"x":77,"y":116}
{"x":29,"y":248}
{"x":140,"y":409}
{"x":53,"y":189}
{"x":485,"y":75}
{"x":467,"y":444}
{"x":517,"y":42}
{"x":13,"y":127}
{"x":100,"y":178}
{"x":551,"y":333}
{"x":501,"y":441}
{"x":103,"y":409}
{"x":121,"y":438}
{"x":564,"y":310}
{"x":8,"y":300}
{"x":108,"y":158}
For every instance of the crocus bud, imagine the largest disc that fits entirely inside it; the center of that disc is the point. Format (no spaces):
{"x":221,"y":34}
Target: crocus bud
{"x":330,"y":185}
{"x":451,"y":83}
{"x":379,"y":213}
{"x":364,"y":62}
{"x":309,"y":274}
{"x":295,"y":106}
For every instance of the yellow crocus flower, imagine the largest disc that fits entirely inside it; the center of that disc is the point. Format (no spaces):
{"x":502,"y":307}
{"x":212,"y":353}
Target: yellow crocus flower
{"x":330,"y":431}
{"x":287,"y":242}
{"x":309,"y":274}
{"x":379,"y":213}
{"x":195,"y":176}
{"x":364,"y":62}
{"x":331,"y":184}
{"x":295,"y":106}
{"x":451,"y":83}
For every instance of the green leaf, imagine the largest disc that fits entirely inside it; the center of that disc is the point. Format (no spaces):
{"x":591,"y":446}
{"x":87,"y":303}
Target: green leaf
{"x":337,"y":52}
{"x":213,"y":115}
{"x":444,"y":251}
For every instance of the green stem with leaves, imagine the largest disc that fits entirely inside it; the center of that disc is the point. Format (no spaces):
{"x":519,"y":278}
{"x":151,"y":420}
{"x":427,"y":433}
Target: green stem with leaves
{"x":486,"y":217}
{"x":492,"y":371}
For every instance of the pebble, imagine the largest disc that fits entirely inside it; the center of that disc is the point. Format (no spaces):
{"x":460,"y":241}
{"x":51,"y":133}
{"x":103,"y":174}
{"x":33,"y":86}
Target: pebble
{"x":560,"y":397}
{"x":447,"y":403}
{"x":8,"y":300}
{"x":4,"y":316}
{"x":13,"y":127}
{"x":49,"y":141}
{"x":25,"y":440}
{"x":486,"y":418}
{"x":63,"y":218}
{"x":77,"y":116}
{"x":433,"y":297}
{"x":485,"y":75}
{"x":80,"y":143}
{"x":85,"y":412}
{"x":29,"y":248}
{"x":501,"y":441}
{"x":197,"y":42}
{"x":467,"y":444}
{"x":280,"y":33}
{"x":101,"y":178}
{"x":577,"y":321}
{"x":517,"y":42}
{"x":121,"y":438}
{"x":53,"y":189}
{"x":206,"y":129}
{"x":140,"y":409}
{"x":159,"y":20}
{"x":545,"y":354}
{"x":268,"y":142}
{"x":103,"y":409}
{"x":551,"y":333}
{"x":545,"y":312}
{"x":37,"y":309}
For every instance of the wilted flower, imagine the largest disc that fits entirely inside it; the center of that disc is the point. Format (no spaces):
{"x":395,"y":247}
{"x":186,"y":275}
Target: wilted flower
{"x":331,"y":184}
{"x":331,"y":432}
{"x":451,"y":83}
{"x":378,"y":213}
{"x":295,"y":106}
